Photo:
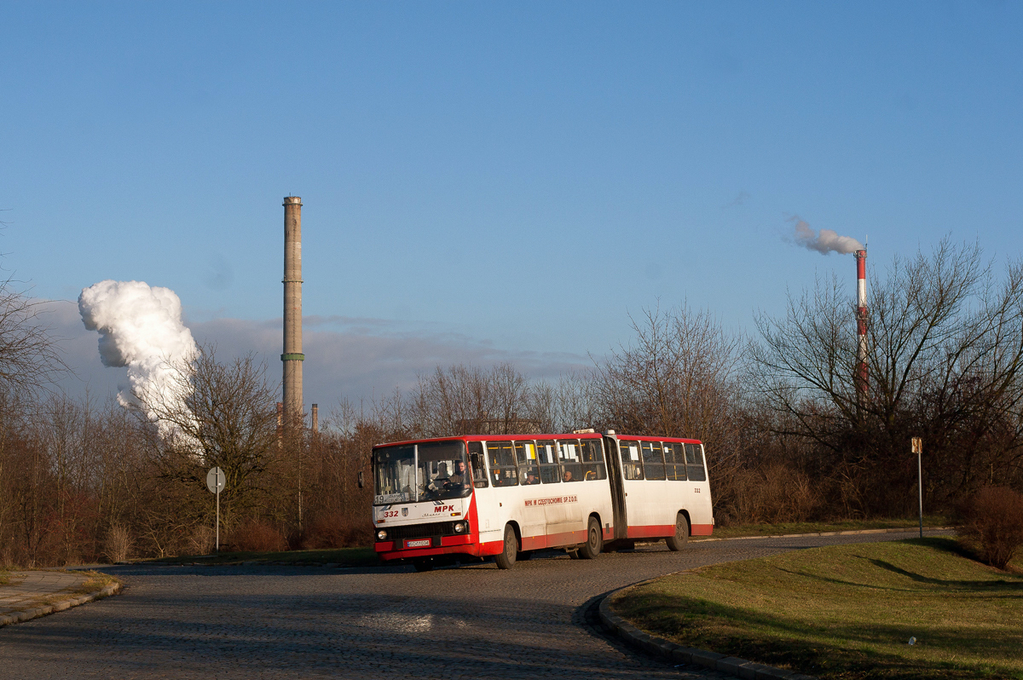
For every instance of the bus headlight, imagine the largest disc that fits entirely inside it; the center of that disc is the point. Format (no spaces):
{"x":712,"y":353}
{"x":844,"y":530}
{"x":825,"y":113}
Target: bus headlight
{"x":459,"y":527}
{"x":381,"y":535}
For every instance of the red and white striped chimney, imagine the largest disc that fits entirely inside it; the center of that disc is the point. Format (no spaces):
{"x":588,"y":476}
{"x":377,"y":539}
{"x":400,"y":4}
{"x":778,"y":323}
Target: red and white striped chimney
{"x":861,"y":376}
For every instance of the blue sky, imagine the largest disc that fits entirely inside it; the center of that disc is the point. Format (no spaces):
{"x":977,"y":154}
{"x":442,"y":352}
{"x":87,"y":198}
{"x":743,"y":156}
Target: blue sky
{"x":491,"y":181}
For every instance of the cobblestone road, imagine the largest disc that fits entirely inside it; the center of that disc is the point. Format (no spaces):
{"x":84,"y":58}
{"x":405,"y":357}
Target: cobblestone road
{"x":534,"y":621}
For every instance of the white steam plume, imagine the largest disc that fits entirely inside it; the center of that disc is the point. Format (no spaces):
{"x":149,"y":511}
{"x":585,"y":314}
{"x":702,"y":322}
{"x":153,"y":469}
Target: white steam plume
{"x":140,"y":327}
{"x":826,"y":241}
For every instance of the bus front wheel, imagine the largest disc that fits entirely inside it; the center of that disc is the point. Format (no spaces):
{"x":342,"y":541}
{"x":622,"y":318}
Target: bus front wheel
{"x":594,"y":541}
{"x":676,"y":542}
{"x":506,"y":558}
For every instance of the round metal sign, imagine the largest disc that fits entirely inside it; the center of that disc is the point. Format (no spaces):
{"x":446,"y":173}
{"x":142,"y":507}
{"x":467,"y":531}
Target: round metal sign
{"x":215,"y":480}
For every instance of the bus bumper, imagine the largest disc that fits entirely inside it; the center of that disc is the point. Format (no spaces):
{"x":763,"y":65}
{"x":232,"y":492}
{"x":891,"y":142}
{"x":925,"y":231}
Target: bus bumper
{"x":454,"y":546}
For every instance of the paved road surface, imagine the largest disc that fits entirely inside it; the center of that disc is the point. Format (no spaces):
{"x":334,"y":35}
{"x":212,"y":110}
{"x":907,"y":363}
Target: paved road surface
{"x":534,"y":621}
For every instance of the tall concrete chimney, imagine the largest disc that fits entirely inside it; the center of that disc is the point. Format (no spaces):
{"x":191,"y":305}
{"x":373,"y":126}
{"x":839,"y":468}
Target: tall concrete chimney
{"x":292,"y":358}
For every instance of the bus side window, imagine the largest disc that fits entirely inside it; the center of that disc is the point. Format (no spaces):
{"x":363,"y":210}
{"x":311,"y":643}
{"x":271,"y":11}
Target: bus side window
{"x":632,"y":468}
{"x":675,"y":461}
{"x":568,"y":456}
{"x":477,"y":465}
{"x":502,"y":464}
{"x":593,"y":460}
{"x":525,"y":454}
{"x":653,"y":460}
{"x":694,"y":460}
{"x":550,"y":471}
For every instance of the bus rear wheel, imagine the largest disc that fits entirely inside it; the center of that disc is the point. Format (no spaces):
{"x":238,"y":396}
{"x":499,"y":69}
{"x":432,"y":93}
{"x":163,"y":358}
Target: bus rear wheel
{"x":506,"y":558}
{"x":681,"y":536}
{"x":594,"y":541}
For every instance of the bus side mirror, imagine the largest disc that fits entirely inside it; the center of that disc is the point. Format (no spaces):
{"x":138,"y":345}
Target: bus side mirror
{"x":362,"y":479}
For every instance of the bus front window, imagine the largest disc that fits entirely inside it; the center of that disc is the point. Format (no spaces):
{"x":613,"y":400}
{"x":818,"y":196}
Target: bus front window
{"x":443,"y":471}
{"x":394,"y":474}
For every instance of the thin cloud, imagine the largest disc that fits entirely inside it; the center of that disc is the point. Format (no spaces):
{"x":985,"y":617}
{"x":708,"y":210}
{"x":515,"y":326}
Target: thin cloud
{"x":359,"y":359}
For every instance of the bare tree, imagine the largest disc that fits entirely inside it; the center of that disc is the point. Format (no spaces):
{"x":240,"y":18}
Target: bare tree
{"x":29,"y":355}
{"x":226,"y":418}
{"x":945,"y":361}
{"x":468,"y":400}
{"x":676,"y":379}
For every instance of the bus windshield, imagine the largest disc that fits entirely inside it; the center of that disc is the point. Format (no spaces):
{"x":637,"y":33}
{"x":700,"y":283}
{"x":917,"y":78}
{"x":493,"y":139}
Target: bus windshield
{"x":420,"y":472}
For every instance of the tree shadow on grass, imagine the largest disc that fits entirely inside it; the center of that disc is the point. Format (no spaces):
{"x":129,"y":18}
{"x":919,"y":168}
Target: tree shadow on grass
{"x":828,"y":649}
{"x":1011,"y":586}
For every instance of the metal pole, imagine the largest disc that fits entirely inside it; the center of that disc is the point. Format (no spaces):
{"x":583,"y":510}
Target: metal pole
{"x":918,"y":449}
{"x":218,"y":510}
{"x":920,"y":484}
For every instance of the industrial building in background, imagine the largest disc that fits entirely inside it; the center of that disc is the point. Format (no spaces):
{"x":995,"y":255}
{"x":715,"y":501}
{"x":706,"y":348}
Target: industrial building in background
{"x":294,"y":406}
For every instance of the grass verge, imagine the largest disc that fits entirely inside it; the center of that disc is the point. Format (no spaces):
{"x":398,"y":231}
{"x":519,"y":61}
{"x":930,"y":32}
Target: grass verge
{"x":342,"y":557}
{"x":93,"y":581}
{"x":783,"y":528}
{"x":366,"y":557}
{"x":846,"y":612}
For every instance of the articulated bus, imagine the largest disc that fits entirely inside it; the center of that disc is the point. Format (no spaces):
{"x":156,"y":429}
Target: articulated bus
{"x":474,"y":497}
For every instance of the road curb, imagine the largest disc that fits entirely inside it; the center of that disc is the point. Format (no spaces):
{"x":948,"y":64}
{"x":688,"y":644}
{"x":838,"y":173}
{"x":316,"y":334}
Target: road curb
{"x":669,"y":651}
{"x":28,"y":614}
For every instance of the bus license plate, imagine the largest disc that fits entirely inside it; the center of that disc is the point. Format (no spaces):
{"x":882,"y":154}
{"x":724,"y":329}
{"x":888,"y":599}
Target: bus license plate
{"x":418,"y":543}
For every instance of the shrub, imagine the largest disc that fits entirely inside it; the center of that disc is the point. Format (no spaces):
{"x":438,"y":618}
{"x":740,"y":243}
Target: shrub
{"x":993,"y":526}
{"x":772,"y":494}
{"x":202,"y":540}
{"x":118,"y":545}
{"x":334,"y":530}
{"x":256,"y":536}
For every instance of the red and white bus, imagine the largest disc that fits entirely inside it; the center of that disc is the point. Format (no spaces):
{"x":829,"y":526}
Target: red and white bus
{"x":471,"y":497}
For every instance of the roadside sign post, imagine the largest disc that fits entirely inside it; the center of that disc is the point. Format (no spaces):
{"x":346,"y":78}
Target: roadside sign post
{"x":215,"y":482}
{"x":918,"y":449}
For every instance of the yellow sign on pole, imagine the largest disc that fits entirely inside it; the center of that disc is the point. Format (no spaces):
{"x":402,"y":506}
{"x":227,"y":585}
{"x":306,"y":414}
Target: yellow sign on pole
{"x":918,"y":445}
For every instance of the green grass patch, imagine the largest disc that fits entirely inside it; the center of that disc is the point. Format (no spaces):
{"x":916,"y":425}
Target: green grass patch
{"x":783,"y":528}
{"x":846,"y":612}
{"x":344,"y":557}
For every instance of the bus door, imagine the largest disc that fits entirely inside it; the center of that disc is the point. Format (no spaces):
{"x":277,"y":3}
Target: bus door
{"x":643,"y":491}
{"x":484,"y":496}
{"x":621,"y":517}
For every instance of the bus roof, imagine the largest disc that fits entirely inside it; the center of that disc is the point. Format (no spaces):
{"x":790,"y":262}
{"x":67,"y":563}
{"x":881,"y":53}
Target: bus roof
{"x":527,"y":436}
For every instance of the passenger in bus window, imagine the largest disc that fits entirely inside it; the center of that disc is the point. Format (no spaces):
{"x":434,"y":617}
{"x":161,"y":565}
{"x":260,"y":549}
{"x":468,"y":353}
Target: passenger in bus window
{"x":477,"y":467}
{"x":633,"y":471}
{"x":568,"y":476}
